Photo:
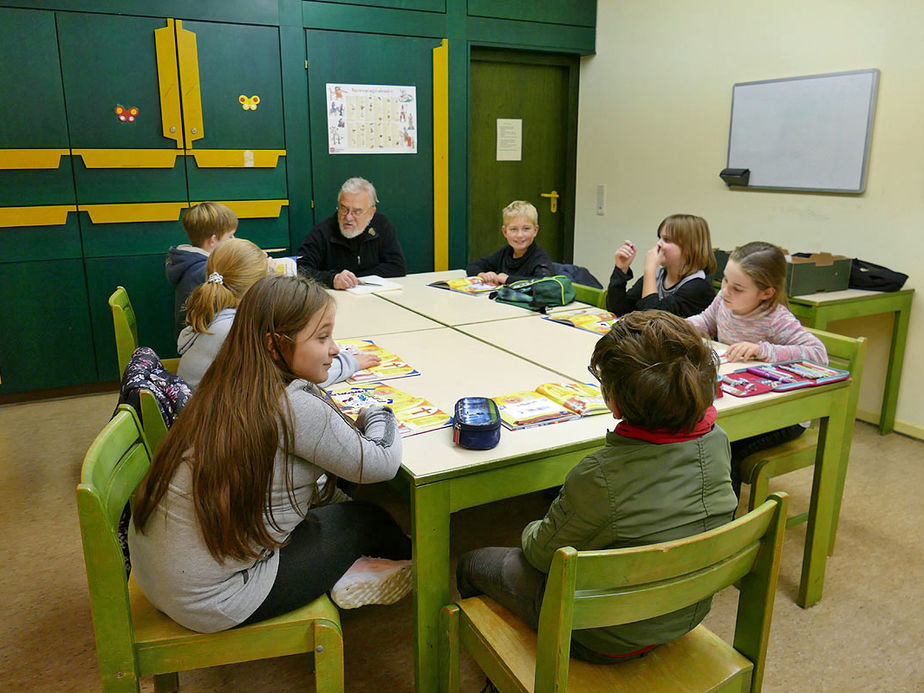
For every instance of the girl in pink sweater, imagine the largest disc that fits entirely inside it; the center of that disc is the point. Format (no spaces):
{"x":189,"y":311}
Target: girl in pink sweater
{"x":750,"y":314}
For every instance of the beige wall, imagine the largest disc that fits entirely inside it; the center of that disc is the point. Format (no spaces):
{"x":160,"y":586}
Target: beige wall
{"x":654,"y":114}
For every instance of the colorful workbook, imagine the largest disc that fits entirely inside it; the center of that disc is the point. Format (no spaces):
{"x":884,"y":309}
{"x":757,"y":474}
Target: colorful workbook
{"x":549,"y":403}
{"x":465,"y":285}
{"x":414,"y":414}
{"x":590,"y":319}
{"x":390,"y":368}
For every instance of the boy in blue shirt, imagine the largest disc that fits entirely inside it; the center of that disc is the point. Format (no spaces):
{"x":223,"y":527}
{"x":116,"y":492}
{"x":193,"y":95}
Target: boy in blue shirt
{"x":663,"y":474}
{"x":207,"y":224}
{"x":521,"y":258}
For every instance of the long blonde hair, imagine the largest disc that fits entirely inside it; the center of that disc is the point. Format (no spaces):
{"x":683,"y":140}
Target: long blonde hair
{"x":233,"y":267}
{"x":244,"y":391}
{"x":691,"y":234}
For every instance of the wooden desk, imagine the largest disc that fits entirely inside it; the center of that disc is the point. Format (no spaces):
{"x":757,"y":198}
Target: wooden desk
{"x":817,"y":310}
{"x":443,"y":478}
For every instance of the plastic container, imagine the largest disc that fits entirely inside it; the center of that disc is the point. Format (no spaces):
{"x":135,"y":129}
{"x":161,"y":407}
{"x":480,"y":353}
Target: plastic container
{"x":476,"y":423}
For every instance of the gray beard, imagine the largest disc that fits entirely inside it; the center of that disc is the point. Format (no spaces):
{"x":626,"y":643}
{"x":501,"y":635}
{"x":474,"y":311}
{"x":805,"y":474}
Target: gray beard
{"x":351,"y":234}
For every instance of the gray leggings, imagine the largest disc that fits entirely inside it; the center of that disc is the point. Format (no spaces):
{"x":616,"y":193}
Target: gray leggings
{"x":321,"y":548}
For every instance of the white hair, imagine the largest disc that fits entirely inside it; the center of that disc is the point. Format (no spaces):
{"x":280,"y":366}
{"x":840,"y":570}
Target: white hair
{"x":355,"y":185}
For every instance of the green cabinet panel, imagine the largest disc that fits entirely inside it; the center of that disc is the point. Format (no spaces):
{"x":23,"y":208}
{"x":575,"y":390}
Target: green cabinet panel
{"x":24,"y":243}
{"x":106,"y":61}
{"x":105,"y":240}
{"x":403,"y":181}
{"x":45,"y":325}
{"x":151,"y":296}
{"x":30,"y":81}
{"x":115,"y":185}
{"x":237,"y":60}
{"x":23,"y":187}
{"x":236,"y":183}
{"x":427,"y":5}
{"x":574,"y":12}
{"x":267,"y":233}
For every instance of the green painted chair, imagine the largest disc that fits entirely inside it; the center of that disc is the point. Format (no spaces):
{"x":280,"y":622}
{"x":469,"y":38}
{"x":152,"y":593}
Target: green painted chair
{"x":848,"y":353}
{"x":133,"y":639}
{"x":126,"y":330}
{"x":589,"y":589}
{"x":589,"y":294}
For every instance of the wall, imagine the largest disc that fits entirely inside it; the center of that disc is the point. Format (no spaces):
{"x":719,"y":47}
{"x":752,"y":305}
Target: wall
{"x":653,"y":127}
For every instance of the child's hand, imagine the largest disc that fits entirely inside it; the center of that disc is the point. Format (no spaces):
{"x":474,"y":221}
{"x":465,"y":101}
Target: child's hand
{"x":491,"y":277}
{"x":625,"y":255}
{"x":742,"y":351}
{"x":653,"y":258}
{"x":367,"y":360}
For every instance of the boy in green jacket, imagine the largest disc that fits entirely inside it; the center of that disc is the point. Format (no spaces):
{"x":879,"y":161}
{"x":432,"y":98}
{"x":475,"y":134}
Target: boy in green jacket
{"x":663,"y":474}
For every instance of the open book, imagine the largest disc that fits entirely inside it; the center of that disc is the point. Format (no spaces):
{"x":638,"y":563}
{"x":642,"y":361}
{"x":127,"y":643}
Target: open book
{"x":590,"y":319}
{"x":373,"y":283}
{"x":465,"y":285}
{"x":414,"y":414}
{"x":549,"y":403}
{"x":390,"y":368}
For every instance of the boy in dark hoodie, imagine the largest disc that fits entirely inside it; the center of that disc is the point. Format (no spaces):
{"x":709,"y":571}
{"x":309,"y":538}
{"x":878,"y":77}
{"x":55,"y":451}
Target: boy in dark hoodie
{"x":207,"y":224}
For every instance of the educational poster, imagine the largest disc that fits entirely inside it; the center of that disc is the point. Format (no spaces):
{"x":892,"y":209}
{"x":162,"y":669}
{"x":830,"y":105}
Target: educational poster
{"x":371,"y":119}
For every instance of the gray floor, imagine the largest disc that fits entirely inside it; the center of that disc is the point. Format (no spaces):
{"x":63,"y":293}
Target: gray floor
{"x":865,"y":634}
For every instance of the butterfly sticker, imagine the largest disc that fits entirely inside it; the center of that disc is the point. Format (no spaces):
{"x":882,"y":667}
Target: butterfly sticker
{"x":126,"y":115}
{"x":249,"y":103}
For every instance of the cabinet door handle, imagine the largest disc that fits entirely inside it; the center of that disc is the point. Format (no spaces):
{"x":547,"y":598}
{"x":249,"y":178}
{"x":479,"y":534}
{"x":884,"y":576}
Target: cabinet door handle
{"x":188,"y":58}
{"x":168,"y":83}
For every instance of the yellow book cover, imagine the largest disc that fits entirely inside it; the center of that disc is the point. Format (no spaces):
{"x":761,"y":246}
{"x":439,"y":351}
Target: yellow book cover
{"x":390,"y":368}
{"x":580,"y":398}
{"x":465,"y":285}
{"x":549,"y":403}
{"x":590,"y":319}
{"x":414,"y":414}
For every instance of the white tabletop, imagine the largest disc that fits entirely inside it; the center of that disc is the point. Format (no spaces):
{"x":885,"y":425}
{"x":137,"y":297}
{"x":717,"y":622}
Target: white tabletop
{"x":831,"y":296}
{"x":359,"y":315}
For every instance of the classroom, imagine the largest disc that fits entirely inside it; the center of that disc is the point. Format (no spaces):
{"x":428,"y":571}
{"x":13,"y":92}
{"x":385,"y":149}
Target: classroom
{"x":644,"y":92}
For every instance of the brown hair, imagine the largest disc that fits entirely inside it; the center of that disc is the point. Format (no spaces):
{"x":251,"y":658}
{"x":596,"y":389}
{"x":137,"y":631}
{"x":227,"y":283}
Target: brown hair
{"x":656,"y":368}
{"x":233,"y":267}
{"x":232,"y":469}
{"x":208,"y":219}
{"x":691,"y":233}
{"x":765,"y":264}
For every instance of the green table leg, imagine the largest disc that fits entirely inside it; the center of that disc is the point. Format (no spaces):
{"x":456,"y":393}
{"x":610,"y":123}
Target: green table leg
{"x":894,"y":370}
{"x":818,"y":536}
{"x":430,"y":534}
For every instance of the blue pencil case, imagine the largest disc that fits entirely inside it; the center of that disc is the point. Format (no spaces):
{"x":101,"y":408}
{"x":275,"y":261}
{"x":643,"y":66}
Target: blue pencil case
{"x":476,"y":423}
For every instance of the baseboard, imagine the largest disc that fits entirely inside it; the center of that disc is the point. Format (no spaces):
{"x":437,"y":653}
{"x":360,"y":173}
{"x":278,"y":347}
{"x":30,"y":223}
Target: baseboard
{"x":903,"y":427}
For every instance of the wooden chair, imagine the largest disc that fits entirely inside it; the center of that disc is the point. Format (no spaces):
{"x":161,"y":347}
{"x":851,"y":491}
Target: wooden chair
{"x":588,"y":294}
{"x":126,"y":330}
{"x":590,"y":589}
{"x":848,"y":353}
{"x":133,"y":639}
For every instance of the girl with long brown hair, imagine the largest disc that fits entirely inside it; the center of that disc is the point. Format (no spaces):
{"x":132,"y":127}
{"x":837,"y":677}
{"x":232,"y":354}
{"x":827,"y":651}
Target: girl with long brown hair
{"x":232,"y":524}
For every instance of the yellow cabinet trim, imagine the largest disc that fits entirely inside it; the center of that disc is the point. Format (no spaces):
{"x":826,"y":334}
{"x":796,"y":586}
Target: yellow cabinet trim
{"x":31,"y":158}
{"x":128,"y":158}
{"x":237,"y":158}
{"x":134,"y":212}
{"x":188,"y":58}
{"x":46,"y":215}
{"x":441,"y":156}
{"x":168,"y":83}
{"x":255,"y":209}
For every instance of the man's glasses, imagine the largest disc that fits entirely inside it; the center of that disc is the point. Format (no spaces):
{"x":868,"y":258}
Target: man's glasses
{"x":344,"y":211}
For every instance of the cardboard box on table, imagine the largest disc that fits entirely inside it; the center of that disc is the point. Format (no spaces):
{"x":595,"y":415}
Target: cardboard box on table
{"x":805,"y":275}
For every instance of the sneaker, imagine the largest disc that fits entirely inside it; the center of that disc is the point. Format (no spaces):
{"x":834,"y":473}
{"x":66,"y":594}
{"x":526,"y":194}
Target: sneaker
{"x":372,"y":581}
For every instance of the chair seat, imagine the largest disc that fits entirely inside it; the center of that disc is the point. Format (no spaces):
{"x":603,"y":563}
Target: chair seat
{"x":164,"y":646}
{"x":785,"y":457}
{"x":171,"y":364}
{"x":698,"y":661}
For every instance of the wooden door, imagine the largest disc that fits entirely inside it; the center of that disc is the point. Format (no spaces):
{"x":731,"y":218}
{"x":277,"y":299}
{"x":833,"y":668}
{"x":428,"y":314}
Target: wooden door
{"x":540,"y":90}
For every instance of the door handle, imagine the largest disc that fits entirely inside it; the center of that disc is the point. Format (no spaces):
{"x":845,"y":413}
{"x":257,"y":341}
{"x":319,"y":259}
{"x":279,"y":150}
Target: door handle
{"x":553,"y":200}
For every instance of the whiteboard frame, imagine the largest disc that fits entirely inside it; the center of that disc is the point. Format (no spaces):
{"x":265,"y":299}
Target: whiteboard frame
{"x":870,"y":112}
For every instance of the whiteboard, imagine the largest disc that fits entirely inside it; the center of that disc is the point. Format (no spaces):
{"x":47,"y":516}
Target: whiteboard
{"x":804,"y":133}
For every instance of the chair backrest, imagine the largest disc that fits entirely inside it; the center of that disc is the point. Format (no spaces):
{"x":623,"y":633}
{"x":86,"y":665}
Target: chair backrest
{"x":125,"y":326}
{"x":114,"y":465}
{"x":848,"y":353}
{"x":592,"y":589}
{"x":588,"y":294}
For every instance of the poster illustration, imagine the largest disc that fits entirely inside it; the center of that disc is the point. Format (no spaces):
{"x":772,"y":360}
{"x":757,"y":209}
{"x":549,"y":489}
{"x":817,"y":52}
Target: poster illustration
{"x":371,"y":119}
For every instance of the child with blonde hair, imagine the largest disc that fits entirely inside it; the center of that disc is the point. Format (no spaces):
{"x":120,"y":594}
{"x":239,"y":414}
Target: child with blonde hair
{"x":233,"y":267}
{"x":521,"y":258}
{"x":206,"y":224}
{"x":751,"y":315}
{"x":678,"y":271}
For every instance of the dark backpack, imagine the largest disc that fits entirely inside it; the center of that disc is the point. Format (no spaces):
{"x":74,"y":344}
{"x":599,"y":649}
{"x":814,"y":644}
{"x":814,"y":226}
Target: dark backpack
{"x":536,"y":294}
{"x":866,"y":275}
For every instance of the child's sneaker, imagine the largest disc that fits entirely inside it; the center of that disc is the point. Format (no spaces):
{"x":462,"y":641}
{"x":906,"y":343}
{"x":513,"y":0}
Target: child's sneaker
{"x":372,"y":581}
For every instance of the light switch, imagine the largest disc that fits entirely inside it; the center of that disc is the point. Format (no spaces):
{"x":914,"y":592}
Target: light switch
{"x":601,"y":200}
